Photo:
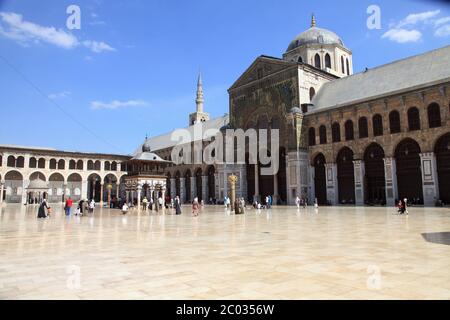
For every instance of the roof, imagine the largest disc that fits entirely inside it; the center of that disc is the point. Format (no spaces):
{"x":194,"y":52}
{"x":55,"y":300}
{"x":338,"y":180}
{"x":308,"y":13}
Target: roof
{"x":315,"y":35}
{"x":148,"y":156}
{"x":37,"y":184}
{"x":412,"y":73}
{"x":165,"y":141}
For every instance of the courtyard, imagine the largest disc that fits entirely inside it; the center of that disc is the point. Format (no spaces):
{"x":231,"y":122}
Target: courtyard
{"x":281,"y":253}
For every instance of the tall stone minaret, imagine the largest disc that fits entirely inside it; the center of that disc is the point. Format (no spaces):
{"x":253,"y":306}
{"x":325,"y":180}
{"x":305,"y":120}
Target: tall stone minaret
{"x":199,"y":115}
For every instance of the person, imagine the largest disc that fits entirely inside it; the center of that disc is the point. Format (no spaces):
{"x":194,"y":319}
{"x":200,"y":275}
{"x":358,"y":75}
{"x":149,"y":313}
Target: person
{"x":225,"y":202}
{"x":41,"y":210}
{"x":305,"y":203}
{"x":405,"y":201}
{"x":160,"y":202}
{"x":151,"y":203}
{"x":297,"y":202}
{"x":171,"y":204}
{"x":68,"y":206}
{"x":401,"y":207}
{"x":91,"y":206}
{"x":144,"y":203}
{"x":242,"y":205}
{"x":85,"y":208}
{"x":125,"y":208}
{"x":177,"y":206}
{"x":195,"y":207}
{"x":78,"y":211}
{"x":316,"y":203}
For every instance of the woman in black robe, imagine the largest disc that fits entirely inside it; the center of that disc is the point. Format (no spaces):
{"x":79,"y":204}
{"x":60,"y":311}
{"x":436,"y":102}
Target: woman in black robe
{"x":41,"y":211}
{"x":177,"y":206}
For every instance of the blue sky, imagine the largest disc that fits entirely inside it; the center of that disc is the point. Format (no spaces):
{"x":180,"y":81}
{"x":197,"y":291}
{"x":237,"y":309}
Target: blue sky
{"x":131,"y":69}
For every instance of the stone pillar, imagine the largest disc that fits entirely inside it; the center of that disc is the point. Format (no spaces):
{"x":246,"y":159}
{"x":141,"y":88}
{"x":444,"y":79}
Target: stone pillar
{"x":275,"y":189}
{"x":2,"y":183}
{"x":332,"y":186}
{"x":127,"y":195}
{"x":193,"y":188}
{"x":182,"y":191}
{"x":139,"y":191}
{"x":205,"y":189}
{"x":390,"y":175}
{"x":359,"y":173}
{"x":118,"y":190}
{"x":84,"y":190}
{"x":429,"y":178}
{"x":256,"y":195}
{"x":101,"y":194}
{"x":173,"y":188}
{"x":312,"y":189}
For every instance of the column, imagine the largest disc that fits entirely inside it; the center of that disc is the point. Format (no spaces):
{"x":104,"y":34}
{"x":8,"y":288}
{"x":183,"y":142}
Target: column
{"x":256,"y":195}
{"x":84,"y":190}
{"x":127,"y":195}
{"x":358,"y":166}
{"x":118,"y":190}
{"x":173,"y":188}
{"x":312,"y":188}
{"x":275,"y":189}
{"x":205,"y":189}
{"x":193,"y":187}
{"x":429,"y":178}
{"x":332,"y":186}
{"x":101,"y":194}
{"x":390,"y":175}
{"x":163,"y":191}
{"x":139,"y":191}
{"x":182,"y":190}
{"x":1,"y":191}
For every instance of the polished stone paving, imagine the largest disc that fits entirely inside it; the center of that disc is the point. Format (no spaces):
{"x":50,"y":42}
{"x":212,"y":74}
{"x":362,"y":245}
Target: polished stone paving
{"x":282,"y":253}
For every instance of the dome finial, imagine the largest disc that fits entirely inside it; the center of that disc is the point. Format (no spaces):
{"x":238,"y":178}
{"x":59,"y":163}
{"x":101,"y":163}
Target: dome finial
{"x":313,"y":21}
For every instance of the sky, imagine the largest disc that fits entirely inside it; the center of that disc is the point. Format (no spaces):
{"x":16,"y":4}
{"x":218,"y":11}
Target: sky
{"x":131,"y":68}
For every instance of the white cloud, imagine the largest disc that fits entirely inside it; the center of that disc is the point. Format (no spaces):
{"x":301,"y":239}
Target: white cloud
{"x":25,"y":32}
{"x":414,"y":18}
{"x":402,"y":35}
{"x":60,"y":95}
{"x":441,"y":21}
{"x":443,"y":31}
{"x":98,"y":46}
{"x":14,"y":27}
{"x":116,"y":104}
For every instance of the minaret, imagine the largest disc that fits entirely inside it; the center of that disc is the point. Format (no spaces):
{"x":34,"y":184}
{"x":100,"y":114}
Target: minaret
{"x":199,"y":115}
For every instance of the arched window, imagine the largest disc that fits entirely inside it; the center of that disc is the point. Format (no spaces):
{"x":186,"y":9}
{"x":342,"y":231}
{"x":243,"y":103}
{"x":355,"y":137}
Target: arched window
{"x":20,"y":163}
{"x":32,"y":163}
{"x":41,"y":163}
{"x":312,"y":93}
{"x":434,"y":116}
{"x":61,"y":164}
{"x":300,"y":59}
{"x":80,"y":165}
{"x":114,"y":166}
{"x":72,"y":165}
{"x":413,"y":119}
{"x":348,"y":67}
{"x":349,"y":134}
{"x":11,"y":162}
{"x":312,"y":136}
{"x":90,"y":165}
{"x":377,"y":122}
{"x":327,"y":61}
{"x":97,"y":165}
{"x":363,"y":128}
{"x":317,"y":61}
{"x":323,"y":134}
{"x":336,"y":132}
{"x":342,"y":64}
{"x":107,"y":166}
{"x":394,"y":122}
{"x":53,"y":164}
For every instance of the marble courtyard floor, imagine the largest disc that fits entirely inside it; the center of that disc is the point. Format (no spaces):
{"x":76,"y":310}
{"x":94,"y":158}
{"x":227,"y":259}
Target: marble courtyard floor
{"x":283,"y":253}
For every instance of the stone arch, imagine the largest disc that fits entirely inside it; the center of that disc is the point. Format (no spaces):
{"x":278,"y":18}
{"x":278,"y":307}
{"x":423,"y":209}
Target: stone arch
{"x":74,"y":186}
{"x":11,"y":161}
{"x":374,"y":179}
{"x":320,"y":185}
{"x":56,"y":188}
{"x":13,"y":186}
{"x":107,"y":166}
{"x":346,"y":176}
{"x":41,"y":163}
{"x":53,"y":164}
{"x":110,"y":183}
{"x":32,"y":163}
{"x":94,"y":187}
{"x":408,"y":167}
{"x":442,"y":152}
{"x":72,"y":164}
{"x":37,"y":175}
{"x":80,"y":165}
{"x":434,"y":115}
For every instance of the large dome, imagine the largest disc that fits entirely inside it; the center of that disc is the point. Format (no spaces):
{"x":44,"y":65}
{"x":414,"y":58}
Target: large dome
{"x":315,"y":35}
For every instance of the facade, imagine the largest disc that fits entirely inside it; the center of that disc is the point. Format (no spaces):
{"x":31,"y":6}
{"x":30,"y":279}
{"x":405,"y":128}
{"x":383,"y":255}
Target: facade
{"x":366,"y":138}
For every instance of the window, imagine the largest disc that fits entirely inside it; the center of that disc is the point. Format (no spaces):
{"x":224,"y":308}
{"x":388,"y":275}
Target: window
{"x":90,"y":165}
{"x":97,"y":165}
{"x":11,"y":162}
{"x":312,"y":136}
{"x":377,"y":122}
{"x":323,"y":134}
{"x":114,"y":166}
{"x":363,"y":128}
{"x":434,"y":115}
{"x":327,"y":61}
{"x":317,"y":61}
{"x":72,"y":165}
{"x":32,"y":163}
{"x":41,"y":163}
{"x":348,"y":67}
{"x":107,"y":166}
{"x":336,"y":132}
{"x":300,"y":59}
{"x":342,"y":64}
{"x":80,"y":165}
{"x":20,"y":163}
{"x":413,"y":119}
{"x":312,"y":93}
{"x":394,"y":122}
{"x":53,"y":164}
{"x":349,"y":134}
